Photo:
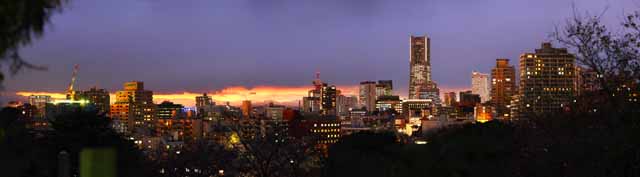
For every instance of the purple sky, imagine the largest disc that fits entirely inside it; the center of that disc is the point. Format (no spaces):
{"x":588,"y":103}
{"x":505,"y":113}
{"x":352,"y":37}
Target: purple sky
{"x":203,"y":45}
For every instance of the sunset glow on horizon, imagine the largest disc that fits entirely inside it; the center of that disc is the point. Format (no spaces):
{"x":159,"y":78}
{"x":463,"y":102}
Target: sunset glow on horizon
{"x":287,"y":95}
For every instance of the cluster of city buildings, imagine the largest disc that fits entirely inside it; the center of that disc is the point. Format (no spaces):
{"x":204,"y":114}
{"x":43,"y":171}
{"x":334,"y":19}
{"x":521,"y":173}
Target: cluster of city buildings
{"x":547,"y":82}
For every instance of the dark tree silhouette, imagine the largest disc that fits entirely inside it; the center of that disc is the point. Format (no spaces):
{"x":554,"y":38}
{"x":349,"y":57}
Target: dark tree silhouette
{"x":22,"y":21}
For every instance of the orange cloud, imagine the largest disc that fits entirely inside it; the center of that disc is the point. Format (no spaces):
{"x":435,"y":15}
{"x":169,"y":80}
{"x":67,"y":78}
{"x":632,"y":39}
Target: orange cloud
{"x":233,"y":95}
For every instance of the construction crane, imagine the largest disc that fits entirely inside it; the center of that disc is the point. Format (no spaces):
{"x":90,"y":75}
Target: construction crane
{"x":71,"y":94}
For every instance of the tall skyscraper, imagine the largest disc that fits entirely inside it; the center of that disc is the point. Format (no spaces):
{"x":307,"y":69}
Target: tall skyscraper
{"x":420,"y":65}
{"x":368,"y":95}
{"x":133,"y":107}
{"x":503,"y":87}
{"x":480,"y":85}
{"x":547,"y":79}
{"x":98,"y":97}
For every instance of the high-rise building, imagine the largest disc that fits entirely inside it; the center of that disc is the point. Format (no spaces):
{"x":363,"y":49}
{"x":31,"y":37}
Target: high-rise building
{"x":322,"y":99}
{"x":133,"y":107}
{"x":547,"y":79}
{"x":345,"y":103}
{"x":368,"y":95}
{"x":480,"y":85}
{"x":420,"y":65}
{"x":246,"y":108}
{"x":503,"y":87}
{"x":98,"y":97}
{"x":450,"y":98}
{"x":328,"y":99}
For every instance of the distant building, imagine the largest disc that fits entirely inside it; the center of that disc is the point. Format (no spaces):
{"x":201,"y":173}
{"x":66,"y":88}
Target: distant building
{"x":547,"y":79}
{"x":322,"y":99}
{"x":275,"y":112}
{"x":246,"y":108}
{"x":387,"y":103}
{"x":480,"y":85}
{"x":328,"y":99}
{"x":345,"y":103}
{"x":98,"y":97}
{"x":420,"y":65}
{"x":40,"y":102}
{"x":311,"y":104}
{"x":169,"y":110}
{"x":368,"y":95}
{"x":134,"y":108}
{"x":384,"y":88}
{"x":205,"y":107}
{"x":468,"y":102}
{"x":325,"y":131}
{"x":503,"y":87}
{"x":450,"y":98}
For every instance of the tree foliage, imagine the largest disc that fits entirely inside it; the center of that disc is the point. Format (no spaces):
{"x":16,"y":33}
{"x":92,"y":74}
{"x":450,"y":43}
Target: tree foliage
{"x":22,"y":21}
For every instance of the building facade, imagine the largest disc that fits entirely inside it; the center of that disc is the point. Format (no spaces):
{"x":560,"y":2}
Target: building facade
{"x":420,"y":65}
{"x":98,"y":97}
{"x":345,"y":103}
{"x":503,"y":87}
{"x":547,"y":80}
{"x":134,"y":108}
{"x":480,"y":85}
{"x":450,"y":98}
{"x":368,"y":95}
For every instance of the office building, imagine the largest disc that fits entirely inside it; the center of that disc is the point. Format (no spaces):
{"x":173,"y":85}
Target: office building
{"x":503,"y":87}
{"x":328,"y":99}
{"x":384,"y":88}
{"x":368,"y":95}
{"x":98,"y":97}
{"x":480,"y":85}
{"x":389,"y":103}
{"x":547,"y":79}
{"x":450,"y":98}
{"x":420,"y":65}
{"x":321,"y":99}
{"x":134,"y":108}
{"x":345,"y":103}
{"x":275,"y":112}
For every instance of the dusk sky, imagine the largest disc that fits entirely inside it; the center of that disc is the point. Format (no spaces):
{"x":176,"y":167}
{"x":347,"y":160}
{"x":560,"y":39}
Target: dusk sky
{"x":209,"y":45}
